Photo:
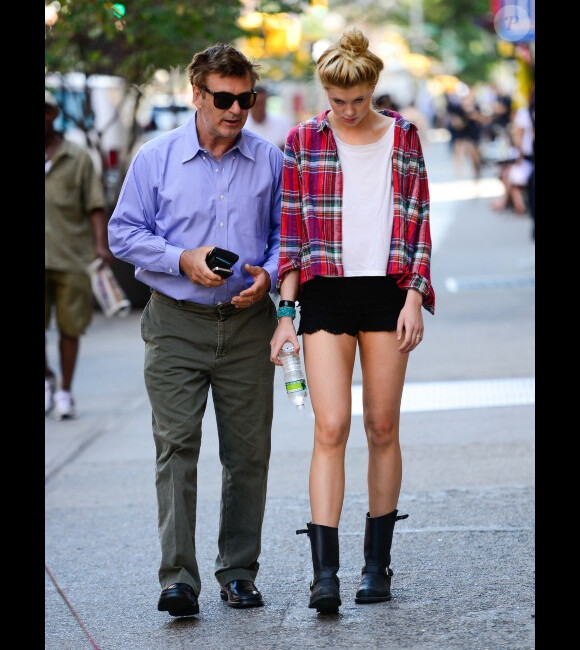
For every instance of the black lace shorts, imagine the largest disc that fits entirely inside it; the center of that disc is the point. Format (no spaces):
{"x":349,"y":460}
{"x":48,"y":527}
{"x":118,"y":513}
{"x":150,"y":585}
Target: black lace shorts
{"x":350,"y":305}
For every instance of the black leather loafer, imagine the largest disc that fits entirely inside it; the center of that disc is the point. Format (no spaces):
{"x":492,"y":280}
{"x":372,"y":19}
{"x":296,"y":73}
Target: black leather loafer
{"x":178,"y":599}
{"x":241,"y":593}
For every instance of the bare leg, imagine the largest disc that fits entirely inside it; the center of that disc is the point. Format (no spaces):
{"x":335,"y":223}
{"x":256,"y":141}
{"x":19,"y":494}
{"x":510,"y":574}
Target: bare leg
{"x":473,"y":153}
{"x":329,"y":361}
{"x":69,"y":347}
{"x":47,"y":371}
{"x":501,"y":203}
{"x":458,"y":153}
{"x":383,"y":368}
{"x":517,"y":197}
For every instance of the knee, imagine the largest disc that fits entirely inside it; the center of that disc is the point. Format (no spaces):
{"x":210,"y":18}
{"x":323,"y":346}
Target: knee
{"x":382,"y":432}
{"x":331,"y":435}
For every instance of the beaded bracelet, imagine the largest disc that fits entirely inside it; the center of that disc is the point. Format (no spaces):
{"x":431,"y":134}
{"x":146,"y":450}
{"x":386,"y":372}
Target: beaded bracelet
{"x":286,"y":311}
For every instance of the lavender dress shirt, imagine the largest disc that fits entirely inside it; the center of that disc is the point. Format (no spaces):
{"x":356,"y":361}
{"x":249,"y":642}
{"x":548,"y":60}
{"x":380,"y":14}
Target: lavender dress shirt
{"x":176,"y":196}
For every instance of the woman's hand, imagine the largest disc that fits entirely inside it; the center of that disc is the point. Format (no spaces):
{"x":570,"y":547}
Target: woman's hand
{"x":284,"y":332}
{"x":410,"y":324}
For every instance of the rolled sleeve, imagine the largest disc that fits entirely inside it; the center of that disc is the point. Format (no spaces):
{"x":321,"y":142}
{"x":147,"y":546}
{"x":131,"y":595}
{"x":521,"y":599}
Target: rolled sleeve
{"x":92,"y":187}
{"x":418,"y":230}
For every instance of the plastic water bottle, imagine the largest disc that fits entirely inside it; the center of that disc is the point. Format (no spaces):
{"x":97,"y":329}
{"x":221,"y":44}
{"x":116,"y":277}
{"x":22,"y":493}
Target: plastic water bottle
{"x":293,"y":375}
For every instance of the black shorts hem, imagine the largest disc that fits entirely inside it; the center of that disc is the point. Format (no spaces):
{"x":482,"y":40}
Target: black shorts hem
{"x":350,"y":305}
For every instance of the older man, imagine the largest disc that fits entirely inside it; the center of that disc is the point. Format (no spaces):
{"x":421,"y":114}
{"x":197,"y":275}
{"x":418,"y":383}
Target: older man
{"x":202,"y":185}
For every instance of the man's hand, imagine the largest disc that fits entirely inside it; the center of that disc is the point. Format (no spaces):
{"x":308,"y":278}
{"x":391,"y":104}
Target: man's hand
{"x":257,"y":291}
{"x":101,"y":239}
{"x":192,"y":265}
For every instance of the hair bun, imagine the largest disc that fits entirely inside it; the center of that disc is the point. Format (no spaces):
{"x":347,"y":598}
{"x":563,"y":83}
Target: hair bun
{"x":354,"y":41}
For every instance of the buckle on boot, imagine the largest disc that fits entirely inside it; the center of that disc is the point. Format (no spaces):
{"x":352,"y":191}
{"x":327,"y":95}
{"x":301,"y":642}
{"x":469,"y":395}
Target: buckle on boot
{"x":376,"y":569}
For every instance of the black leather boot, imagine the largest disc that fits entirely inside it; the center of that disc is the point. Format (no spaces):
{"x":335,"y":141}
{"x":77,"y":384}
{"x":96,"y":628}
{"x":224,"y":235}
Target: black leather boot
{"x":375,"y":585}
{"x":324,"y":588}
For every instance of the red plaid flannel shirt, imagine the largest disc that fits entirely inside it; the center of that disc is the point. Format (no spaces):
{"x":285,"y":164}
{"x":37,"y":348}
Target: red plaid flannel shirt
{"x":311,"y":227}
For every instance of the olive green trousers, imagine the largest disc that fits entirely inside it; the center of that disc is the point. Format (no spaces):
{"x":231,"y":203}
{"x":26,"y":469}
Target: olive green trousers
{"x":188,"y":349}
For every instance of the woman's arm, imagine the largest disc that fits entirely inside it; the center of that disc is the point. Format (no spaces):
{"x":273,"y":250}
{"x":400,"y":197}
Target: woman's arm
{"x":291,"y":210}
{"x":418,"y":230}
{"x":285,"y":330}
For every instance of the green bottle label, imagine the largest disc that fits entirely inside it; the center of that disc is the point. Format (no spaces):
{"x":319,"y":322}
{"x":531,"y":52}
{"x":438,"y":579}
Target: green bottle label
{"x":293,"y":386}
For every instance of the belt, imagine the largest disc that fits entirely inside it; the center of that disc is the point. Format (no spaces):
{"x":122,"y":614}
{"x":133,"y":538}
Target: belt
{"x":221,"y":311}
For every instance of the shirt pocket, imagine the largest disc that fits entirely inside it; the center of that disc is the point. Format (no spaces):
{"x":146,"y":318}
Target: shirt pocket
{"x":250,"y":217}
{"x":66,"y":195}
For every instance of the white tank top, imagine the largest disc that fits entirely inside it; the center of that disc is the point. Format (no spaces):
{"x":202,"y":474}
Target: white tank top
{"x":367,"y":204}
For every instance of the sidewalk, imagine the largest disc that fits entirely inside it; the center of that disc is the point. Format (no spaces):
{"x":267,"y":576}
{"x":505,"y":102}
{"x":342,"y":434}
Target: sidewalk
{"x":463,"y":560}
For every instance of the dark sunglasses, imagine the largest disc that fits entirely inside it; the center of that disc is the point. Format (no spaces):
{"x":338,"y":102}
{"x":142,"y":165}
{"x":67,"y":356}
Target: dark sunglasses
{"x":225,"y":100}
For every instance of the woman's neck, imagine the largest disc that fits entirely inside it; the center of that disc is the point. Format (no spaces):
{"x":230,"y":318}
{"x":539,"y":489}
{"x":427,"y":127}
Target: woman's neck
{"x":371,"y":129}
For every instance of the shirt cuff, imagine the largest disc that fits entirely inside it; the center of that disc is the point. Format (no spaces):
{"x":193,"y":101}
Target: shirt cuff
{"x":171,"y":259}
{"x":272,"y":270}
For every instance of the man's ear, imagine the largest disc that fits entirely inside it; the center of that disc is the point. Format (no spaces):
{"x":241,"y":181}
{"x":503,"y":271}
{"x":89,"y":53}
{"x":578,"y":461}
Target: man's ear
{"x":196,"y":96}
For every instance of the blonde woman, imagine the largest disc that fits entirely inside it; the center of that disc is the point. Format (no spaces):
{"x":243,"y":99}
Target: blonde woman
{"x":355,"y":250}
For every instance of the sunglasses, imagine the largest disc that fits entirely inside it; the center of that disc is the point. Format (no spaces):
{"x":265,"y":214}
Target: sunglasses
{"x":223,"y":100}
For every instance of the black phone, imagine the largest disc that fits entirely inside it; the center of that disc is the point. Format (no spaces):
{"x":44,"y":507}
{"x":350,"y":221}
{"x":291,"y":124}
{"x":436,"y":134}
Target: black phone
{"x":221,"y":260}
{"x":223,"y":273}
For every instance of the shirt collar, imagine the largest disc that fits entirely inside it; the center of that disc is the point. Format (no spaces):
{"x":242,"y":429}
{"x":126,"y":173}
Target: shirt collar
{"x":65,"y":148}
{"x":322,"y":119}
{"x":191,"y":146}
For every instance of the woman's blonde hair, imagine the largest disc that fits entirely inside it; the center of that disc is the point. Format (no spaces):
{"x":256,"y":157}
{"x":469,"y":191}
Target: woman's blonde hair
{"x":349,"y":63}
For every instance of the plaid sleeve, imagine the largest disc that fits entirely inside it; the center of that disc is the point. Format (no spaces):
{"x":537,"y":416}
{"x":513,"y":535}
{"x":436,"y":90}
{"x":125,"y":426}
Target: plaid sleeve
{"x":291,"y":214}
{"x":418,"y":231}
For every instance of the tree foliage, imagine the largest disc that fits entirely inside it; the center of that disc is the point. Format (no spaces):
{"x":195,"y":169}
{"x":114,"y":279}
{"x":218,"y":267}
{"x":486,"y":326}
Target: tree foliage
{"x":132,"y":40}
{"x":135,"y":38}
{"x":453,"y":31}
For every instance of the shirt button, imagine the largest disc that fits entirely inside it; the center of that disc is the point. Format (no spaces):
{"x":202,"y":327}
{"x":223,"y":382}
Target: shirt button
{"x":170,"y":270}
{"x":217,"y":170}
{"x":221,"y":224}
{"x":204,"y":158}
{"x":222,"y":197}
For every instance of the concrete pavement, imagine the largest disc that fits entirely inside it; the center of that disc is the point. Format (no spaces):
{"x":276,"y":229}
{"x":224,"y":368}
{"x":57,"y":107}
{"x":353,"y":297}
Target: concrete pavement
{"x":463,"y":560}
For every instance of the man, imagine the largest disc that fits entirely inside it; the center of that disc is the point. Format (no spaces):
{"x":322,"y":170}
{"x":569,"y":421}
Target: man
{"x":272,"y":127}
{"x":75,"y":233}
{"x":202,"y":185}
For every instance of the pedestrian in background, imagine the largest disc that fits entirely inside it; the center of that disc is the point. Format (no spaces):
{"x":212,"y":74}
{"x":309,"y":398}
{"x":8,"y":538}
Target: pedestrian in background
{"x":75,"y":233}
{"x":385,"y":101}
{"x":272,"y":127}
{"x":355,"y":249}
{"x":205,"y":184}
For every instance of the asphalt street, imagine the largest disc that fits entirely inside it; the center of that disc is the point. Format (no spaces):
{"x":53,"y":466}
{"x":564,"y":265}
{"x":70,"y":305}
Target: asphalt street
{"x":463,"y":560}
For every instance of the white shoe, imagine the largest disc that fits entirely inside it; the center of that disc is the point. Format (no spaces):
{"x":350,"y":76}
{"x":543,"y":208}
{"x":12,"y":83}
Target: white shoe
{"x":49,"y":386}
{"x":64,"y":405}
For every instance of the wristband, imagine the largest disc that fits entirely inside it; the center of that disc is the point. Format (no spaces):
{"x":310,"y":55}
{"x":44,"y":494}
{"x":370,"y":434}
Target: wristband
{"x":286,"y":303}
{"x":286,"y":311}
